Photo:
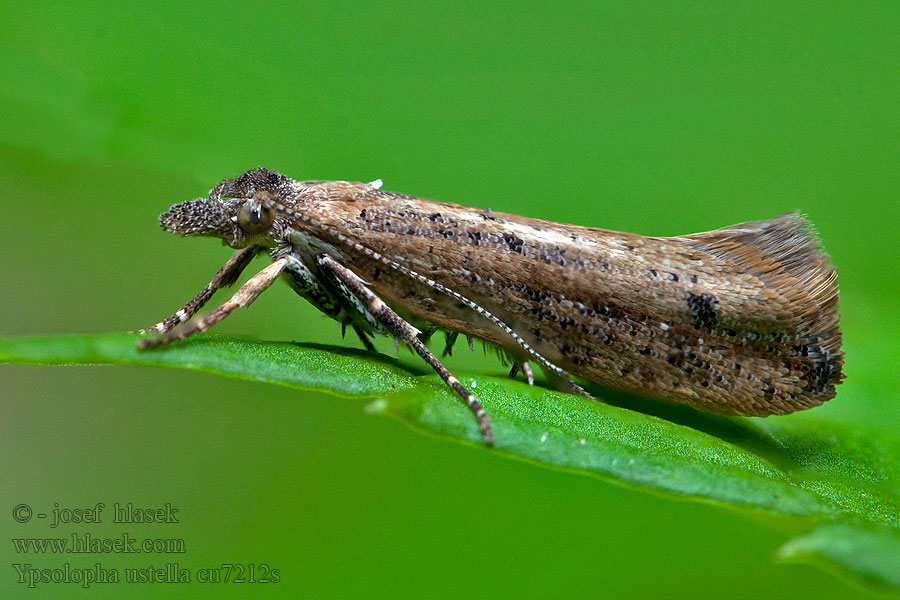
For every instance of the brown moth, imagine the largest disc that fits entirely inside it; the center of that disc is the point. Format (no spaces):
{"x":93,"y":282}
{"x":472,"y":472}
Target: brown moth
{"x":741,"y":320}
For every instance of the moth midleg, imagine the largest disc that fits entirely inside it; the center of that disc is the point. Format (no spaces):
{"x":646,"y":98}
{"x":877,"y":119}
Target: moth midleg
{"x":303,"y":281}
{"x":561,"y":379}
{"x":401,"y":330}
{"x":243,"y":297}
{"x":556,"y":374}
{"x":226,"y":276}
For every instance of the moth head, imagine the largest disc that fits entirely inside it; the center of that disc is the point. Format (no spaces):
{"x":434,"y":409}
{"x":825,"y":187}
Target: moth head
{"x":238,"y":211}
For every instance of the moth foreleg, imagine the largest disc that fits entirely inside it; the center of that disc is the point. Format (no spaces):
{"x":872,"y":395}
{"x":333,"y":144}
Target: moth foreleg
{"x":243,"y":297}
{"x":226,"y":276}
{"x":403,"y":331}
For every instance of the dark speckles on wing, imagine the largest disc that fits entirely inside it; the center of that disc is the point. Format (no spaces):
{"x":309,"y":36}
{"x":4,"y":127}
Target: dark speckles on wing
{"x":645,"y":314}
{"x":438,"y":226}
{"x":703,"y":309}
{"x":514,"y":243}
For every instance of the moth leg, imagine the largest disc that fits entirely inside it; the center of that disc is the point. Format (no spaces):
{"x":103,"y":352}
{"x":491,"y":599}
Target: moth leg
{"x":243,"y":297}
{"x":303,"y":281}
{"x":401,"y":330}
{"x":427,"y":333}
{"x":527,"y":372}
{"x":564,"y":383}
{"x":226,"y":276}
{"x":525,"y":367}
{"x":319,"y":226}
{"x":449,"y":341}
{"x":363,"y":336}
{"x":361,"y":333}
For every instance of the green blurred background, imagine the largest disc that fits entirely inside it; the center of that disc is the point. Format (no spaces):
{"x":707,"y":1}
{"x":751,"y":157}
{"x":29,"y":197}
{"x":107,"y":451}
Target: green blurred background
{"x":655,"y":117}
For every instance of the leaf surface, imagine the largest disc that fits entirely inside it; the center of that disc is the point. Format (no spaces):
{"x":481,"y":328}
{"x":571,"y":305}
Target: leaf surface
{"x":799,"y":467}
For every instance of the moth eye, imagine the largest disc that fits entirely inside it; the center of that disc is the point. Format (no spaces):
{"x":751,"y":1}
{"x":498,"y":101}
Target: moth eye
{"x":255,"y":218}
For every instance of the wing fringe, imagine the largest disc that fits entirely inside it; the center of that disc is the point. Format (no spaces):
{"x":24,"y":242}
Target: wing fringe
{"x":785,"y":252}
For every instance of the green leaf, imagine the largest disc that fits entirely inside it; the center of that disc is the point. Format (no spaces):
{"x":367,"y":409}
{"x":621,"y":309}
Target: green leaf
{"x":798,"y":467}
{"x":865,"y":554}
{"x":647,"y":451}
{"x":338,"y":370}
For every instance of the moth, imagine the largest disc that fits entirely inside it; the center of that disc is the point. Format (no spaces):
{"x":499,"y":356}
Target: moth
{"x":738,"y":321}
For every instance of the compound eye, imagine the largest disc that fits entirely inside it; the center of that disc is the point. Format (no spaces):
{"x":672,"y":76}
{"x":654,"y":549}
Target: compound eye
{"x":255,"y":218}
